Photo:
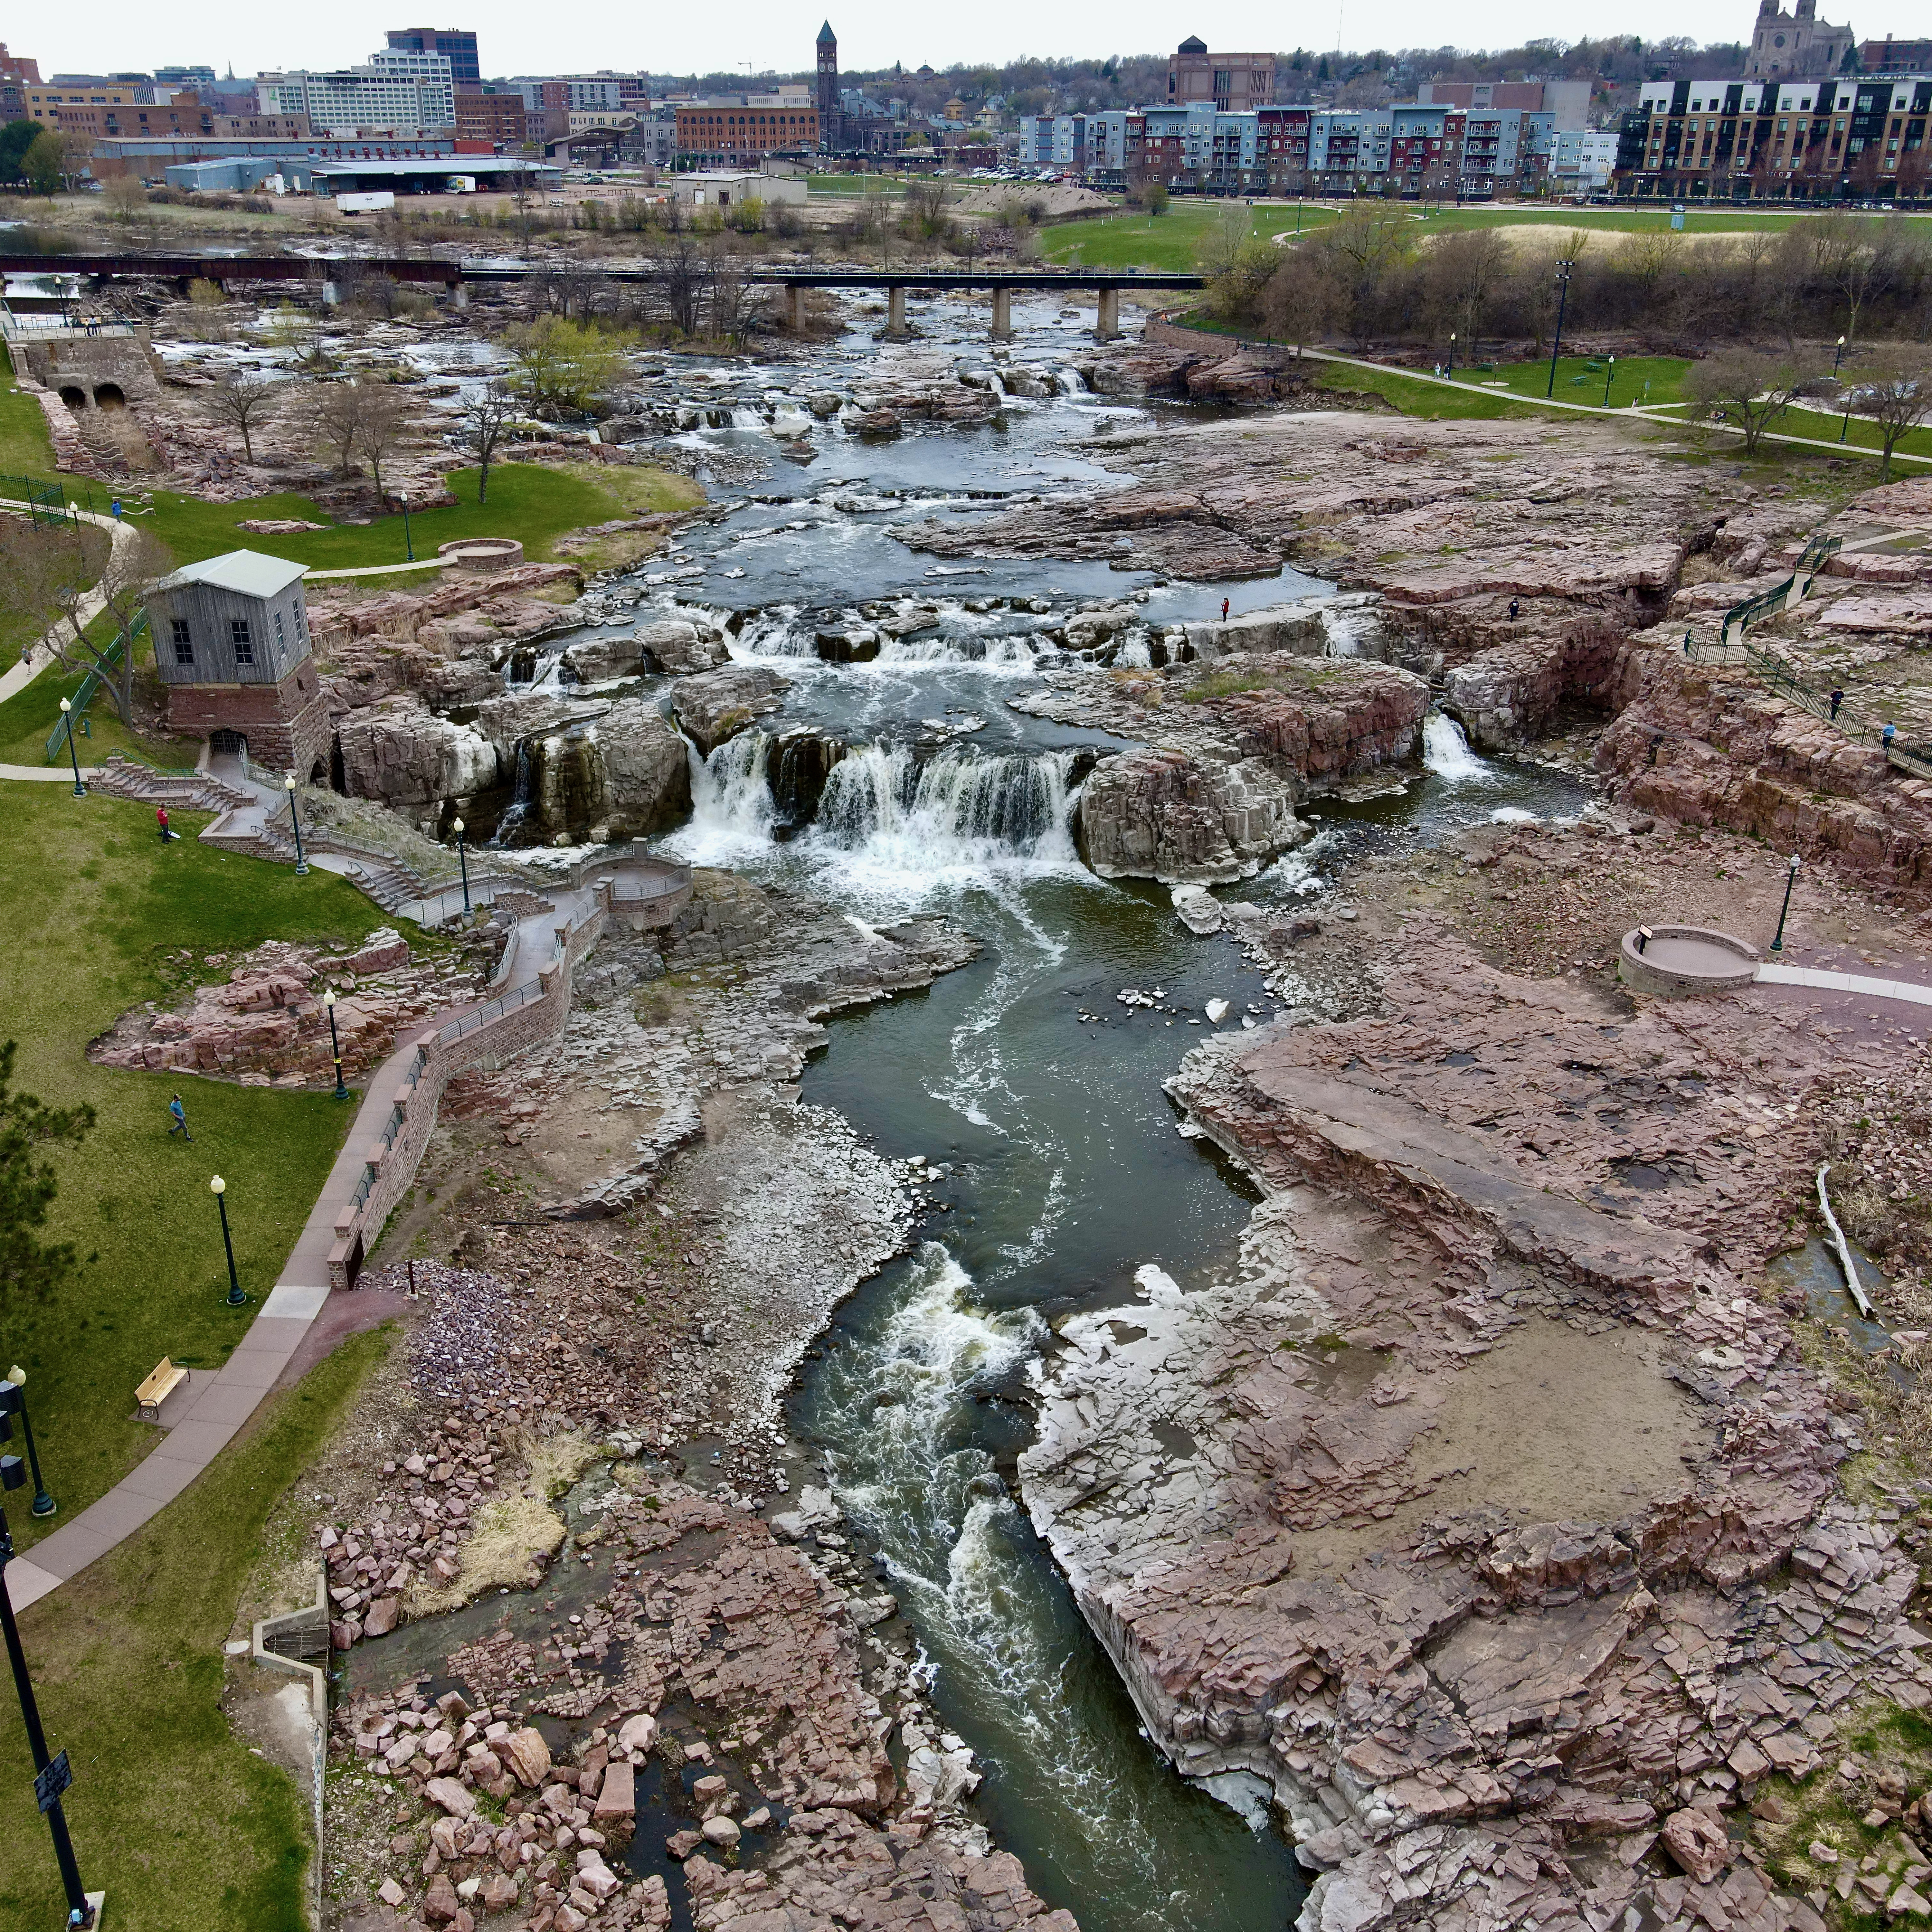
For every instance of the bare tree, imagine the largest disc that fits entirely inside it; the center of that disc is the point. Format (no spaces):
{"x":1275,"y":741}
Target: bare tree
{"x":242,"y":400}
{"x":1895,"y":389}
{"x":487,"y":418}
{"x":1304,"y":299}
{"x":44,"y":578}
{"x":683,"y":272}
{"x":379,"y":428}
{"x":1465,"y":271}
{"x":1743,"y":388}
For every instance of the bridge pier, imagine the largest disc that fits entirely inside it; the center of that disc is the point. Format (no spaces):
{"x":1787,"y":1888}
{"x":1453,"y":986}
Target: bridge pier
{"x":896,"y":321}
{"x":459,"y":294}
{"x":795,"y":309}
{"x":1002,"y":315}
{"x":1107,"y":322}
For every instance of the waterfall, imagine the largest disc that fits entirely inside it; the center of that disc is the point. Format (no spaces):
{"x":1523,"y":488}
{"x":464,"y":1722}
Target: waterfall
{"x":954,"y":810}
{"x":1446,"y":752}
{"x":511,"y":824}
{"x":730,"y":800}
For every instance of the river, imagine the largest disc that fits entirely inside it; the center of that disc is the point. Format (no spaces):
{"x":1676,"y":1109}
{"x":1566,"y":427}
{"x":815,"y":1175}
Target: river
{"x":1023,"y":1075}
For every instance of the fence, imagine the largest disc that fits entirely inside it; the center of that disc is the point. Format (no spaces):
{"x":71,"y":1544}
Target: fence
{"x":115,"y":654}
{"x":47,"y":497}
{"x":1848,"y":718}
{"x":1780,"y":597}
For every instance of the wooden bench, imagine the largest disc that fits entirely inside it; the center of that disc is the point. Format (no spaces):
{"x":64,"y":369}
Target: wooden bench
{"x":167,"y":1378}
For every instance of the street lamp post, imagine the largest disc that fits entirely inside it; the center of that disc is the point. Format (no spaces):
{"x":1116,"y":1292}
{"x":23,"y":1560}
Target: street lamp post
{"x":295,"y":820}
{"x":334,"y":1043}
{"x":219,"y":1188}
{"x":1452,"y":355}
{"x":1563,"y":269}
{"x":1790,"y":880}
{"x":1844,"y":428}
{"x":1837,"y":358}
{"x":462,"y":859}
{"x":73,"y":756}
{"x":1610,"y":374}
{"x":52,"y":1776}
{"x":13,"y":1398}
{"x":409,"y":542}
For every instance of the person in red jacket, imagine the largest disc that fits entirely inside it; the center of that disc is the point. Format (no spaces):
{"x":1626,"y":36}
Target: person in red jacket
{"x":161,"y":820}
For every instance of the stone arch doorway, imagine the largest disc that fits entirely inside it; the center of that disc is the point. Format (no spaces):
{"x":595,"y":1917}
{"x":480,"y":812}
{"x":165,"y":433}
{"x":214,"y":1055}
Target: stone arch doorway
{"x":108,"y":396}
{"x":226,"y":744}
{"x":74,"y":396}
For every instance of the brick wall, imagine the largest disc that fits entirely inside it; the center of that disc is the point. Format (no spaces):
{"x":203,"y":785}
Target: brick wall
{"x":286,"y":724}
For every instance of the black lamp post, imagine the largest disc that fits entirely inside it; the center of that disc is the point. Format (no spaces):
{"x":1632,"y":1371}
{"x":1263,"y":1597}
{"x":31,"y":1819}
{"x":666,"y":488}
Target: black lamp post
{"x":1790,"y":880}
{"x":408,"y":541}
{"x":1845,"y":427}
{"x":1610,"y":374}
{"x":1837,"y":358}
{"x":295,"y":820}
{"x":334,"y":1043}
{"x":462,"y":859}
{"x":1452,"y":355}
{"x":73,"y":756}
{"x":13,"y":1398}
{"x":1563,"y":269}
{"x":52,"y":1776}
{"x":219,"y":1188}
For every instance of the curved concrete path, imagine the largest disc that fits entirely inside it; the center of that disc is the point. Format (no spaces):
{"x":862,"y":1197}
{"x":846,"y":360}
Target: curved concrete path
{"x":1770,"y":974}
{"x":37,"y":656}
{"x":228,"y":1398}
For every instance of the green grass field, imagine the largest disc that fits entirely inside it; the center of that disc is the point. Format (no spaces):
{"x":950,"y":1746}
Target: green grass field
{"x":99,"y":912}
{"x":187,"y":1828}
{"x":1647,"y":379}
{"x":1171,"y":240}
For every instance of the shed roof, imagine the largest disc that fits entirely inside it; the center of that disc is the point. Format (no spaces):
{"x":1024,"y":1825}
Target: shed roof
{"x":246,"y":571}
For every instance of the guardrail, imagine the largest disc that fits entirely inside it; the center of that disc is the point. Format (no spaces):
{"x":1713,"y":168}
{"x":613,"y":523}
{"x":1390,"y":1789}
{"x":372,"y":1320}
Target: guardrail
{"x":57,"y":739}
{"x":1781,"y":596}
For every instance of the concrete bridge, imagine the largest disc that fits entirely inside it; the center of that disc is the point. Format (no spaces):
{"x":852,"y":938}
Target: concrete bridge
{"x":458,"y":276}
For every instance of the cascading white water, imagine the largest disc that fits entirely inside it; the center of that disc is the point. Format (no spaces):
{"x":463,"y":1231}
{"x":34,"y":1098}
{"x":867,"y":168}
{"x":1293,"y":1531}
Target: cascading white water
{"x":917,"y":816}
{"x":1446,"y":752}
{"x":731,"y":805}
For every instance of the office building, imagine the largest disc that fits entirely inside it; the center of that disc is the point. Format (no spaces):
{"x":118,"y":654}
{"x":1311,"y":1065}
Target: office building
{"x":395,"y":91}
{"x":1231,"y":83}
{"x":457,"y":45}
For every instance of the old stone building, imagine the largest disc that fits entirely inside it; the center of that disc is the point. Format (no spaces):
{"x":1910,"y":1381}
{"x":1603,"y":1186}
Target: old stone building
{"x":1786,"y":45}
{"x":231,"y":642}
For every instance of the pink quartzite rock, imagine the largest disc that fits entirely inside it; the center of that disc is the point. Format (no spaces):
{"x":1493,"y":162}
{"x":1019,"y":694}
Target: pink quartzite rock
{"x":1698,"y":1841}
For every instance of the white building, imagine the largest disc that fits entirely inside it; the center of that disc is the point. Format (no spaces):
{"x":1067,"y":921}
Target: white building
{"x":1583,"y":161}
{"x":396,"y":90}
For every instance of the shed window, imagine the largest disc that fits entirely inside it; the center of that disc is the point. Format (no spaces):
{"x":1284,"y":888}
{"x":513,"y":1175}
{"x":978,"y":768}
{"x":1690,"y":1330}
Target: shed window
{"x":245,"y":645}
{"x":281,"y":643}
{"x":183,"y":642}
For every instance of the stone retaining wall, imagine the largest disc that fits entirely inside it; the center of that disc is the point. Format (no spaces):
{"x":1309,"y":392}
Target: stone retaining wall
{"x":392,"y":1169}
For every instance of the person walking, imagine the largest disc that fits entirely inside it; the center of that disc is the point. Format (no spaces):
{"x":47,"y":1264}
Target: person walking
{"x":1886,"y":737}
{"x":1837,"y":698}
{"x":178,"y":1116}
{"x":1514,"y":607}
{"x":1224,"y":610}
{"x":161,"y":823}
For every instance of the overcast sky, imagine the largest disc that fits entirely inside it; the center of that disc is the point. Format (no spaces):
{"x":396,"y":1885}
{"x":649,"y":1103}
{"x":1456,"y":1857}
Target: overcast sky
{"x":526,"y":39}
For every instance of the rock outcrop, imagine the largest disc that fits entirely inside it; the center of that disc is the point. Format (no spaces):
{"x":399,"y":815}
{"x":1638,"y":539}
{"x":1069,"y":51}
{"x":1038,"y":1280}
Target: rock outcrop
{"x":714,"y":706}
{"x":682,"y":644}
{"x":401,"y":753}
{"x":1710,"y":745}
{"x":1480,"y":1661}
{"x":1229,"y":755}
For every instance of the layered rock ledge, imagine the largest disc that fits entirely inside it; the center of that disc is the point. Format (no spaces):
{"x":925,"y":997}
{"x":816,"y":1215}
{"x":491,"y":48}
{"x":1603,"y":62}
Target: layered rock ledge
{"x":1484,"y":1511}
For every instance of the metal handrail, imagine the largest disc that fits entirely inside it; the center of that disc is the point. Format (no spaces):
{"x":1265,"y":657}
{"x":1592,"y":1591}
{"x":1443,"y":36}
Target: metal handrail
{"x":492,"y":1010}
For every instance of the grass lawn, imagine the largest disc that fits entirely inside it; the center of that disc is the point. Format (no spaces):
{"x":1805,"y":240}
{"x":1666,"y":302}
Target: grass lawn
{"x":187,"y":1829}
{"x":1649,"y":380}
{"x":94,"y":903}
{"x":1169,"y":240}
{"x":1617,"y":220}
{"x":17,"y":633}
{"x":536,"y":502}
{"x":1861,"y":434}
{"x":1430,"y":400}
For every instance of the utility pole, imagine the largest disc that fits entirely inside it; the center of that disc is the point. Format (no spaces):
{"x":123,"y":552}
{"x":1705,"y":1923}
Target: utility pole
{"x":1563,"y":269}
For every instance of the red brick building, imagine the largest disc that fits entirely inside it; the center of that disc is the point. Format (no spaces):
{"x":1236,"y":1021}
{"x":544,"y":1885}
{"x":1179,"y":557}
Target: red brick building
{"x":501,"y":119}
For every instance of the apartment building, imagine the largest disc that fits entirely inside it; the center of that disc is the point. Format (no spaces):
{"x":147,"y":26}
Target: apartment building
{"x":182,"y":114}
{"x":488,"y":112}
{"x":396,"y":90}
{"x":1777,"y":140}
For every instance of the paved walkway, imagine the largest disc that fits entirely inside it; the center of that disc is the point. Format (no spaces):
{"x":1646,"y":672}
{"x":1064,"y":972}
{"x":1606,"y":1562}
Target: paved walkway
{"x":37,"y":656}
{"x":230,"y":1396}
{"x":1771,"y":975}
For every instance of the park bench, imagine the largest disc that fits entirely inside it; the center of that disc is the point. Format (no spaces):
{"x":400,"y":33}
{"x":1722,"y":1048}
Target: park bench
{"x":167,"y":1378}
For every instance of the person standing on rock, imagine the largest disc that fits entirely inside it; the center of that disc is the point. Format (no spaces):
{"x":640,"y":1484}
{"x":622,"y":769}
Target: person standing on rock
{"x":1224,"y":610}
{"x":1886,"y":737}
{"x":1515,"y":606}
{"x":179,"y":1115}
{"x":1837,"y":698}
